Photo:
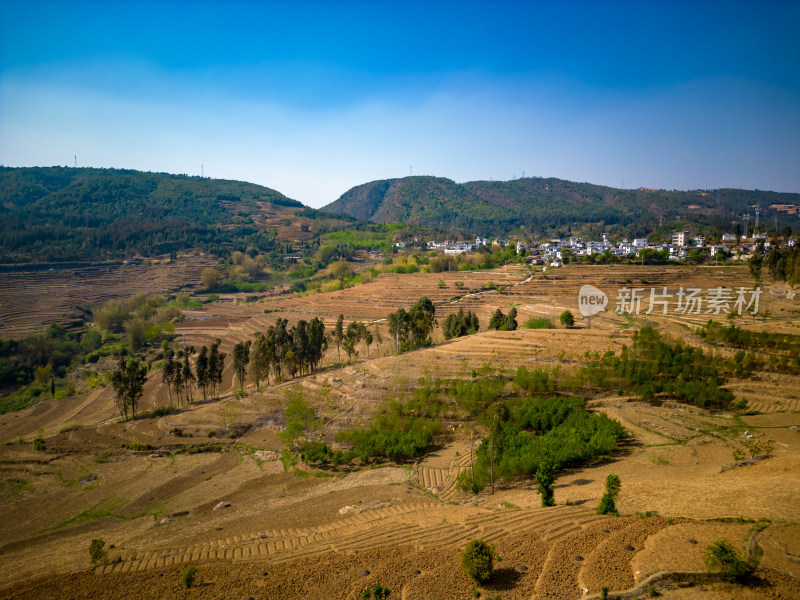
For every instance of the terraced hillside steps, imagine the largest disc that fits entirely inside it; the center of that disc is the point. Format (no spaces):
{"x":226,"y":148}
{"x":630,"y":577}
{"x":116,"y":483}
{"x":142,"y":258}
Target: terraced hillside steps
{"x":419,"y":524}
{"x":441,"y":480}
{"x":609,"y":562}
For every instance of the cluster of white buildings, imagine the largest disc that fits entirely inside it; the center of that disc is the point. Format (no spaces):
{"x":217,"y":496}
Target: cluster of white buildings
{"x":449,"y":247}
{"x":553,"y":252}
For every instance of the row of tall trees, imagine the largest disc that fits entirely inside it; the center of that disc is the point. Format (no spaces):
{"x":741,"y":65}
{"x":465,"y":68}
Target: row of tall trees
{"x":281,"y":351}
{"x":177,"y":372}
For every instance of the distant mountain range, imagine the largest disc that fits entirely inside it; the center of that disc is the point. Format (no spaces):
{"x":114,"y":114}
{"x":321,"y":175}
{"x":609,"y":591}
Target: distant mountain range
{"x":60,"y":214}
{"x":548,"y":205}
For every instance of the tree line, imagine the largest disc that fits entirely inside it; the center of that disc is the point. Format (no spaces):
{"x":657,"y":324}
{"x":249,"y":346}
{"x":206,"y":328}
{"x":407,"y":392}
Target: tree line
{"x":412,"y":329}
{"x":281,"y":351}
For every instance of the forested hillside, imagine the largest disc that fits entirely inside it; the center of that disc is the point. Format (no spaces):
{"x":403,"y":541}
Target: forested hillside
{"x":546,"y":206}
{"x":63,"y":214}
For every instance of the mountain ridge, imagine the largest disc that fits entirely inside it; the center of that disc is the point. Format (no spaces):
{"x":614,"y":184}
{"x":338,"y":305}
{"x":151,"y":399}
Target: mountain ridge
{"x":545,"y":205}
{"x":57,"y":214}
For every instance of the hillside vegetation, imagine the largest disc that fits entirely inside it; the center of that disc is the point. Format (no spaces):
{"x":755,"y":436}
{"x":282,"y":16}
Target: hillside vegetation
{"x":60,"y":214}
{"x":547,"y":205}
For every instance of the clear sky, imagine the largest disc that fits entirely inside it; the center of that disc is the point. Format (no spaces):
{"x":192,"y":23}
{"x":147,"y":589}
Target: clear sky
{"x":312,"y":98}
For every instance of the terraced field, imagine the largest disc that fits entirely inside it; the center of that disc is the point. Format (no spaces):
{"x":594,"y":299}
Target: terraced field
{"x":256,"y":528}
{"x":29,"y":299}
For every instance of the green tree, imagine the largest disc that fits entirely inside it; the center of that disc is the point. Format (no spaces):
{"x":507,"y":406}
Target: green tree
{"x":498,"y":415}
{"x":477,"y":561}
{"x":259,"y":361}
{"x":510,"y":323}
{"x":187,"y":376}
{"x":317,"y":341}
{"x":216,"y":365}
{"x":503,"y":322}
{"x":567,"y":319}
{"x":96,"y":551}
{"x":128,"y":383}
{"x":300,"y":417}
{"x":201,"y":372}
{"x":754,"y":263}
{"x":378,"y":337}
{"x":351,"y":338}
{"x":608,"y":501}
{"x":241,"y":358}
{"x":136,"y":332}
{"x":210,"y":278}
{"x":368,"y":339}
{"x":398,"y":327}
{"x":168,"y":370}
{"x":178,"y":379}
{"x":460,"y":323}
{"x":338,"y":335}
{"x":544,"y":483}
{"x":421,"y":319}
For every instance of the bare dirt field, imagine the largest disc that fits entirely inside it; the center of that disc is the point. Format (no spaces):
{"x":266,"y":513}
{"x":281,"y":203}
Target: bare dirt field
{"x":257,"y":528}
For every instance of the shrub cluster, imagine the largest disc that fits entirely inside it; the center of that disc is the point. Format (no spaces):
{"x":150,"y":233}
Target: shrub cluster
{"x":553,"y":430}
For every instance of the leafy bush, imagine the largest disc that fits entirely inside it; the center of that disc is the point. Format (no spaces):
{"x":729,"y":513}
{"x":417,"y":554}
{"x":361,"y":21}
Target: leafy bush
{"x":539,"y":323}
{"x":300,"y":417}
{"x":401,"y":438}
{"x":96,"y":552}
{"x":477,"y":561}
{"x":567,"y":319}
{"x":377,"y":591}
{"x":316,"y":452}
{"x":722,"y":556}
{"x":137,"y":447}
{"x":188,"y":576}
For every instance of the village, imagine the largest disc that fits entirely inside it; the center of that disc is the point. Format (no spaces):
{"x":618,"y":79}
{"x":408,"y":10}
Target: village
{"x":683,"y":245}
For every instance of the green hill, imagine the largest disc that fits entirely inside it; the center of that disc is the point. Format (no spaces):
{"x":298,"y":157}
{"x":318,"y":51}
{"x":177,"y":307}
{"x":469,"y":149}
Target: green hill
{"x":62,"y":214}
{"x":545,"y":206}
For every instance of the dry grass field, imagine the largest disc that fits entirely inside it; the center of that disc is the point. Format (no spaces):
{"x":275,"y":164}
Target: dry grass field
{"x":296,"y":532}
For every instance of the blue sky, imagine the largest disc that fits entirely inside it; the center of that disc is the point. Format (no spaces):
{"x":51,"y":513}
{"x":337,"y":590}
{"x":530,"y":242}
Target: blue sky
{"x":312,"y":98}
